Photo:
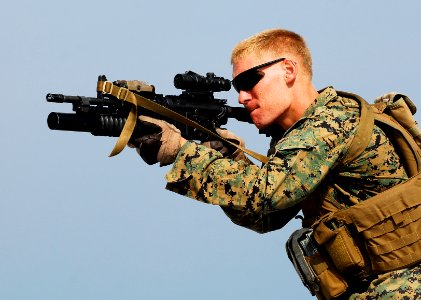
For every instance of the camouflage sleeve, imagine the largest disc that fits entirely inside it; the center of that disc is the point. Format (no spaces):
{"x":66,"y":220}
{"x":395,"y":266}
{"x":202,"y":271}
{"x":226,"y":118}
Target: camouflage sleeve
{"x":247,"y":192}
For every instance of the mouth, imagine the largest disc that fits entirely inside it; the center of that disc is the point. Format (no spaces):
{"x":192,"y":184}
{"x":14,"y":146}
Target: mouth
{"x":253,"y":110}
{"x":253,"y":115}
{"x":249,"y":108}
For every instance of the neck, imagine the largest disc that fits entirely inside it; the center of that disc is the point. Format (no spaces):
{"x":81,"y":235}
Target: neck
{"x":302,"y":98}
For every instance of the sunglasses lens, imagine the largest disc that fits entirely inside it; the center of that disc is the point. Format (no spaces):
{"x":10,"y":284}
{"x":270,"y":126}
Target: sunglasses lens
{"x":247,"y":80}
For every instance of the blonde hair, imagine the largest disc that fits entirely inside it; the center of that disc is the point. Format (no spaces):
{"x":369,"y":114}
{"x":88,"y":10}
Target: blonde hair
{"x":277,"y":41}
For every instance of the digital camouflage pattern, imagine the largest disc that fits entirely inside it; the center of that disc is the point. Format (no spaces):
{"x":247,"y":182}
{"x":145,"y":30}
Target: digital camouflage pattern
{"x":404,"y":284}
{"x":304,"y":168}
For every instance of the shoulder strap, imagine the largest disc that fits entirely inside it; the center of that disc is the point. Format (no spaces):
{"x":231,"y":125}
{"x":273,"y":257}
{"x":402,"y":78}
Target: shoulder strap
{"x":364,"y":129}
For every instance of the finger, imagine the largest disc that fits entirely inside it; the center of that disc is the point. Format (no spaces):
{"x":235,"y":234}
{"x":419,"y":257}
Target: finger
{"x":225,"y":151}
{"x":217,"y":145}
{"x":149,"y":147}
{"x":147,"y":128}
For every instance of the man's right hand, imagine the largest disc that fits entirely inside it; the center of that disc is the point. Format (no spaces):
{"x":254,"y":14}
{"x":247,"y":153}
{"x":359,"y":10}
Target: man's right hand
{"x":226,"y":149}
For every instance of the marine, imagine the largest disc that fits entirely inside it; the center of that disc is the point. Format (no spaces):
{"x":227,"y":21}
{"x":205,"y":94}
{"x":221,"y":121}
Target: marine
{"x":309,"y":166}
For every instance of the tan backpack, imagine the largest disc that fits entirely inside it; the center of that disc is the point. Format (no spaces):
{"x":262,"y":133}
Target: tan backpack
{"x":382,"y":233}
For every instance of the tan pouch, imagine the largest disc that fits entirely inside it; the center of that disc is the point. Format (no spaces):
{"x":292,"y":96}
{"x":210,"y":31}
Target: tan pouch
{"x":332,"y":284}
{"x":401,"y":111}
{"x":342,"y":248}
{"x":344,"y":252}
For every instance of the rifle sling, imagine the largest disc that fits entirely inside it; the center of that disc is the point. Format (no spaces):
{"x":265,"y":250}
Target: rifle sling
{"x":123,"y":94}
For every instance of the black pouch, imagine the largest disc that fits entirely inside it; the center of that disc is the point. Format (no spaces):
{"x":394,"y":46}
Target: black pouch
{"x":297,"y":247}
{"x":316,"y":273}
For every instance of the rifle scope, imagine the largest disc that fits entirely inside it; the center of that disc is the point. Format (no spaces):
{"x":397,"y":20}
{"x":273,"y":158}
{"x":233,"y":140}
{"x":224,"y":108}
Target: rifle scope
{"x":192,"y":81}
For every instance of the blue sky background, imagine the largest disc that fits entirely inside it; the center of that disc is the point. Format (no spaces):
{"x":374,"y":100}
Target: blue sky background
{"x":76,"y":224}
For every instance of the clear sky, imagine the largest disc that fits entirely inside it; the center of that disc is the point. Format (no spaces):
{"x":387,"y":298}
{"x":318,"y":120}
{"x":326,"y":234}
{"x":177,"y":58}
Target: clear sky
{"x":76,"y":224}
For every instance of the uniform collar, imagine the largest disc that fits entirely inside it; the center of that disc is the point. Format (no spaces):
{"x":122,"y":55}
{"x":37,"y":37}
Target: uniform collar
{"x":325,"y":95}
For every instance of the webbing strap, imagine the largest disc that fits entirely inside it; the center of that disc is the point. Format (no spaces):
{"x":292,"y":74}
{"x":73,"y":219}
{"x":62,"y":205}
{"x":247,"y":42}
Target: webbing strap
{"x":136,"y":100}
{"x":362,"y":136}
{"x":389,"y":224}
{"x":398,"y":243}
{"x":399,"y":262}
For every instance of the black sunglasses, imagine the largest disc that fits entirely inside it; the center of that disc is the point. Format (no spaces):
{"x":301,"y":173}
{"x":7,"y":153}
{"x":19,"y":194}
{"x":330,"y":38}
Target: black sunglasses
{"x":246,"y":80}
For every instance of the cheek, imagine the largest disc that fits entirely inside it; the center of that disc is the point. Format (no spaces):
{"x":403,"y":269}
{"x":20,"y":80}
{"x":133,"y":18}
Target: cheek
{"x":269,"y":100}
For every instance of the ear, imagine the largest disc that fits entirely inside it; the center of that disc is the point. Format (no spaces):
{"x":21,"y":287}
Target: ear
{"x":291,"y":70}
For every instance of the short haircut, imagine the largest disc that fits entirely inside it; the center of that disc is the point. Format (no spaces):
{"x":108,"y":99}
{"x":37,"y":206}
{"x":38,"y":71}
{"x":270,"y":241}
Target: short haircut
{"x":277,"y":41}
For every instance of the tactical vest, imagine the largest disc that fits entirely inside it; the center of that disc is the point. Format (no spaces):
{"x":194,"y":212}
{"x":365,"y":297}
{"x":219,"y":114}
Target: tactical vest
{"x":382,"y":233}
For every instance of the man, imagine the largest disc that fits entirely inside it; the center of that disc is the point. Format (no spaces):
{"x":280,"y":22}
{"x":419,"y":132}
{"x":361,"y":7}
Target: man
{"x":272,"y":73}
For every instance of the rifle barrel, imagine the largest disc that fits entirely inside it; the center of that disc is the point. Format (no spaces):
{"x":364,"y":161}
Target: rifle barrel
{"x":60,"y":98}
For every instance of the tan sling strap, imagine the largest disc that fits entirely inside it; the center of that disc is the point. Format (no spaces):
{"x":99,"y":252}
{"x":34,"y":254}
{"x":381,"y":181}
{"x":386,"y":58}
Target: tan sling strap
{"x":136,"y":100}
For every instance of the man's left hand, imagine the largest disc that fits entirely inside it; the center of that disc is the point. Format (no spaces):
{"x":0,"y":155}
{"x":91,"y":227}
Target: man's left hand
{"x":159,"y":141}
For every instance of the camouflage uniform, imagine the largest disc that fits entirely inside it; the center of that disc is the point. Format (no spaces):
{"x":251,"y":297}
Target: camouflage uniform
{"x":304,"y":168}
{"x":404,"y":284}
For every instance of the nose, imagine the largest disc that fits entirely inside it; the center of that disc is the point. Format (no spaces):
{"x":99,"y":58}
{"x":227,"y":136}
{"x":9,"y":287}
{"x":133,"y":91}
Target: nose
{"x":243,"y":97}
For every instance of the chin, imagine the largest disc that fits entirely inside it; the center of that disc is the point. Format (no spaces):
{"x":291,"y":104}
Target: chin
{"x":257,"y":120}
{"x":260,"y":125}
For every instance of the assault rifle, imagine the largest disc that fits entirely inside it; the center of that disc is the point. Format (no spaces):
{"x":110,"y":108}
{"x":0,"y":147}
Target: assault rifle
{"x":105,"y":115}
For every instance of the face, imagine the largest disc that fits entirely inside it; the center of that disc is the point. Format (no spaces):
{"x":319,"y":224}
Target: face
{"x":267,"y":100}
